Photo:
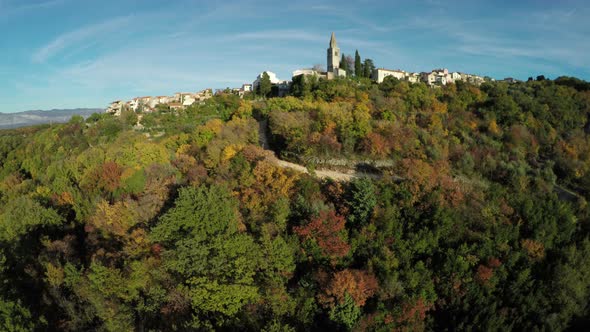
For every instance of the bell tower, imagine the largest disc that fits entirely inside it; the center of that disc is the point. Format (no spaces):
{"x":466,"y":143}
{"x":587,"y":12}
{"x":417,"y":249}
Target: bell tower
{"x":333,"y":55}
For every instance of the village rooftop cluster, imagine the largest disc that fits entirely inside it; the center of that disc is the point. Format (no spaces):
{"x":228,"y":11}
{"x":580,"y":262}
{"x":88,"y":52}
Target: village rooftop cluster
{"x":434,"y":78}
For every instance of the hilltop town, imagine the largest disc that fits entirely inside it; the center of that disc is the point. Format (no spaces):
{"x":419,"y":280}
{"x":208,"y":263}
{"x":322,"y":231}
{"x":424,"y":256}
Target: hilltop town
{"x":336,"y":68}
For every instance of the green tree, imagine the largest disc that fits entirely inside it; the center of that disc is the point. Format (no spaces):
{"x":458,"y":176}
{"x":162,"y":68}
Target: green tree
{"x":215,"y":262}
{"x":300,"y":87}
{"x":344,"y":64}
{"x":362,"y":200}
{"x":265,"y":85}
{"x":14,"y":318}
{"x":368,"y":68}
{"x":22,"y":216}
{"x":358,"y":66}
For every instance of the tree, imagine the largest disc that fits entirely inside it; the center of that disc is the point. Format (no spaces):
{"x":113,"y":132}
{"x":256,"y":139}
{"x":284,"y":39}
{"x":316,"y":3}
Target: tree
{"x":358,"y":66}
{"x":319,"y":68}
{"x":14,"y":317}
{"x":216,"y":263}
{"x":300,"y":86}
{"x":368,"y":68}
{"x":24,"y":215}
{"x":347,"y":63}
{"x":326,"y":233}
{"x":265,"y":85}
{"x":362,"y":200}
{"x":344,"y":64}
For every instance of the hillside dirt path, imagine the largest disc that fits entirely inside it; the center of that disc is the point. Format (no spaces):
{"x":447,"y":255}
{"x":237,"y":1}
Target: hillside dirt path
{"x":346,"y":176}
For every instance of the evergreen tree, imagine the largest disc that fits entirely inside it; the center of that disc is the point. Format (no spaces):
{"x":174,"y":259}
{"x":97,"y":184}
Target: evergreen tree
{"x":265,"y":85}
{"x":344,"y":64}
{"x":358,"y":66}
{"x":368,"y":68}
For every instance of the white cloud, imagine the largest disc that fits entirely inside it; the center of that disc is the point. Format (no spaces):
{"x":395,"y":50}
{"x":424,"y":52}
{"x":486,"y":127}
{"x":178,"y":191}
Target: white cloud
{"x":291,"y":35}
{"x":8,"y":9}
{"x":82,"y":35}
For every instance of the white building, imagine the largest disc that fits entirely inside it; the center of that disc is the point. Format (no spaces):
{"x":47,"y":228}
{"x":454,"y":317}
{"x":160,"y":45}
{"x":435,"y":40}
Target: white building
{"x":428,"y":78}
{"x":380,"y":74}
{"x":147,"y":101}
{"x":273,"y":79}
{"x":204,"y":94}
{"x":473,"y":79}
{"x":115,"y":108}
{"x":247,"y":87}
{"x":413,"y":77}
{"x":306,"y":72}
{"x":188,"y":100}
{"x":134,"y":104}
{"x":164,"y":99}
{"x":175,"y":106}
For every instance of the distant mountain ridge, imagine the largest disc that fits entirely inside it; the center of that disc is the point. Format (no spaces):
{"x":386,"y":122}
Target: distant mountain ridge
{"x":35,"y":117}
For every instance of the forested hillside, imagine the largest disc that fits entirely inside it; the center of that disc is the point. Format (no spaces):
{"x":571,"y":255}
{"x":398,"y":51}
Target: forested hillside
{"x":475,"y":218}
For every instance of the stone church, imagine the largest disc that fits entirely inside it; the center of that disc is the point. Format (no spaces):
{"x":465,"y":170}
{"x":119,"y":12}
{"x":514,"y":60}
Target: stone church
{"x":333,"y":69}
{"x":334,"y":57}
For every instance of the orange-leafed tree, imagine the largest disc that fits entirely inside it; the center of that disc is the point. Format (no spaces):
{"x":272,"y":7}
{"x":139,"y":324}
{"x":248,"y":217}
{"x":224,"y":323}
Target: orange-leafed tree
{"x":327,"y":233}
{"x":376,"y":145}
{"x":358,"y":284}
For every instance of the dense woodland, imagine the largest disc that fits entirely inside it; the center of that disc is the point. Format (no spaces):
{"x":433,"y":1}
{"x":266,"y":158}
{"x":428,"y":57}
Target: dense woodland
{"x":480,"y":221}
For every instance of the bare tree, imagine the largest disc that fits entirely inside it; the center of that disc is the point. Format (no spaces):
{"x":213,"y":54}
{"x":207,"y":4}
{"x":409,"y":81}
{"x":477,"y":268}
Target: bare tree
{"x":318,"y":67}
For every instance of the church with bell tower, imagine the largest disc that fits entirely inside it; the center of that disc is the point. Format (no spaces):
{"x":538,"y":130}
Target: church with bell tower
{"x":334,"y":57}
{"x":333,"y":70}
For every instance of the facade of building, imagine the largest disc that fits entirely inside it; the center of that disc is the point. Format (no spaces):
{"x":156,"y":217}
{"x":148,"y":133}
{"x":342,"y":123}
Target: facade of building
{"x":188,"y":100}
{"x":175,"y":106}
{"x":334,"y":57}
{"x":307,"y":72}
{"x":380,"y":74}
{"x":413,"y":77}
{"x":115,"y":107}
{"x":510,"y":80}
{"x":133,"y":104}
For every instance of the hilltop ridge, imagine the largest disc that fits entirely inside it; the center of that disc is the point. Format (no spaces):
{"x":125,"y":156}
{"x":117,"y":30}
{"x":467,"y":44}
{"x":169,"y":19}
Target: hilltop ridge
{"x":393,"y":206}
{"x":34,"y":117}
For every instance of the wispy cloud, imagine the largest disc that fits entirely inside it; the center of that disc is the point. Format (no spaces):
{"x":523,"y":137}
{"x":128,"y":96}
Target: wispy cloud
{"x":515,"y":35}
{"x":40,"y":5}
{"x":273,"y":35}
{"x":8,"y":9}
{"x":81,"y":35}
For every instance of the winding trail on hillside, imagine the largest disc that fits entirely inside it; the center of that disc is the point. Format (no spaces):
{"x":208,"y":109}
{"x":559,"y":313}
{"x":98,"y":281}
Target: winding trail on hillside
{"x":347,"y":175}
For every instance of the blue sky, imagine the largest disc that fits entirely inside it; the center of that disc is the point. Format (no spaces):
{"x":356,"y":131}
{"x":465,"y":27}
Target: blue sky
{"x":86,"y":53}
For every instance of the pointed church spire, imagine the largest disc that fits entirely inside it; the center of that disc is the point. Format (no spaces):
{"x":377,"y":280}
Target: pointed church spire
{"x":333,"y":41}
{"x":333,"y":55}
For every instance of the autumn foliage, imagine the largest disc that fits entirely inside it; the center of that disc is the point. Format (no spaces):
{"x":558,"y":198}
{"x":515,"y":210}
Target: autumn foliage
{"x":358,"y":284}
{"x":327,"y":230}
{"x":459,"y":208}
